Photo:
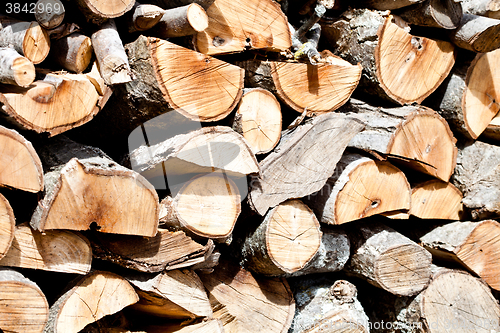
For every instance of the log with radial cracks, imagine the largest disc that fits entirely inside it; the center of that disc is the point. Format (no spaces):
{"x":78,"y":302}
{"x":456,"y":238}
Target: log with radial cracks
{"x":234,"y":26}
{"x":397,"y":66}
{"x":21,"y":166}
{"x":412,"y":136}
{"x":303,"y":161}
{"x":317,"y":88}
{"x":477,"y":33}
{"x":55,"y":250}
{"x":360,"y":187}
{"x":285,"y":242}
{"x":89,"y":298}
{"x":7,"y":226}
{"x":83,"y":186}
{"x":15,"y":69}
{"x":98,"y":12}
{"x":53,"y":104}
{"x":435,"y":199}
{"x":23,"y":306}
{"x":177,"y":294}
{"x":388,"y":260}
{"x":247,"y":303}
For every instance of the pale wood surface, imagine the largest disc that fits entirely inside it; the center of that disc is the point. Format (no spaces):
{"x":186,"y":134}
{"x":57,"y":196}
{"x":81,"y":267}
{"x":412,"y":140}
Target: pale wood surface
{"x":7,"y":226}
{"x":477,"y":33}
{"x":488,"y":8}
{"x":435,"y":199}
{"x":98,"y":12}
{"x":15,"y":69}
{"x":73,"y":52}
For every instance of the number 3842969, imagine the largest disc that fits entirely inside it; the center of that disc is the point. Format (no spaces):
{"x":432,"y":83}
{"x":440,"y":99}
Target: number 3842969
{"x":33,"y":8}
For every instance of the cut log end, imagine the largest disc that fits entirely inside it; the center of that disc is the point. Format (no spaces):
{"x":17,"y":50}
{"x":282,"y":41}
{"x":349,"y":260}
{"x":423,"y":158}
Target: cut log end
{"x":436,"y":199}
{"x":23,"y":71}
{"x":109,"y":8}
{"x":36,"y":44}
{"x":197,"y":17}
{"x":7,"y":226}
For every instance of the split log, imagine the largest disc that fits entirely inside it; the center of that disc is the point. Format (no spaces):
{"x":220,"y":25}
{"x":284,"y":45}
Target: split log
{"x":98,"y":12}
{"x":89,"y":298}
{"x":234,"y":26}
{"x":258,"y":119}
{"x":144,"y":17}
{"x":15,"y":69}
{"x":475,"y":245}
{"x":53,"y":104}
{"x":303,"y":161}
{"x":435,"y":199}
{"x":246,"y":303}
{"x":360,"y":187}
{"x":412,"y":136}
{"x":445,"y":14}
{"x":387,"y":4}
{"x":49,"y":13}
{"x":27,"y":38}
{"x":324,"y":307}
{"x":468,"y":98}
{"x":207,"y":206}
{"x":492,"y":132}
{"x":55,"y":250}
{"x":177,"y":294}
{"x":316,"y":88}
{"x":73,"y":52}
{"x":7,"y":226}
{"x":182,"y":21}
{"x":388,"y":260}
{"x":477,"y":33}
{"x":84,"y":186}
{"x":477,"y":177}
{"x":23,"y":306}
{"x":285,"y":242}
{"x":397,"y":66}
{"x":110,"y":54}
{"x":166,"y":251}
{"x":488,"y":8}
{"x":21,"y":166}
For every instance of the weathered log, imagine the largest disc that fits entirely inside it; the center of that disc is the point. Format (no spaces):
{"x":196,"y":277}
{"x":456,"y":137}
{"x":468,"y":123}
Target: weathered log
{"x":7,"y":226}
{"x":477,"y":33}
{"x":387,"y":4}
{"x":316,"y":88}
{"x":397,"y":66}
{"x":143,"y":17}
{"x":258,"y":119}
{"x":89,"y":298}
{"x":21,"y":166}
{"x":55,"y":250}
{"x":177,"y":294}
{"x":246,"y":303}
{"x":182,"y":21}
{"x":27,"y":38}
{"x":63,"y":30}
{"x":303,"y":161}
{"x":488,"y":8}
{"x":360,"y":187}
{"x":98,"y":12}
{"x":84,"y":186}
{"x":234,"y":26}
{"x":435,"y":199}
{"x":73,"y":52}
{"x":388,"y":260}
{"x":15,"y":69}
{"x":23,"y":306}
{"x":445,"y":14}
{"x":49,"y":13}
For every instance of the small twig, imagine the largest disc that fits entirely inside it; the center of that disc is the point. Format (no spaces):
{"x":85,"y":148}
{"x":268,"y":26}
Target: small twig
{"x":318,"y":13}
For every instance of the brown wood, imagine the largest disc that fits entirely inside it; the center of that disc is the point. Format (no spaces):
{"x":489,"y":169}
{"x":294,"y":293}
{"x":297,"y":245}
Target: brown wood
{"x":445,"y":14}
{"x":7,"y":226}
{"x":98,"y":12}
{"x":73,"y":52}
{"x":435,"y":199}
{"x":144,"y":17}
{"x":15,"y":69}
{"x":49,"y":13}
{"x":182,"y":21}
{"x":23,"y":306}
{"x":21,"y":166}
{"x":477,"y":33}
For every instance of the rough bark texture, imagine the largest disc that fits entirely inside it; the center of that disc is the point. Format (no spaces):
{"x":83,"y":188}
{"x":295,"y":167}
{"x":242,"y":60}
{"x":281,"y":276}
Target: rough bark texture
{"x":15,"y":69}
{"x":445,"y":14}
{"x":488,"y":8}
{"x":477,"y":33}
{"x":182,"y":21}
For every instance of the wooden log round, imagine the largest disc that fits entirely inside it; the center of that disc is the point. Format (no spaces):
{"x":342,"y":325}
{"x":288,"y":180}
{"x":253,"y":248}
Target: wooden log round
{"x":182,"y":21}
{"x":73,"y":52}
{"x":49,"y":13}
{"x":477,"y":33}
{"x":144,"y":17}
{"x":15,"y":69}
{"x":435,"y":199}
{"x":7,"y":226}
{"x":98,"y":12}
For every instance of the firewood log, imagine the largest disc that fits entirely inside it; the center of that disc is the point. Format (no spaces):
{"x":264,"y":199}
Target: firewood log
{"x":166,"y":251}
{"x":435,"y":199}
{"x":55,"y":250}
{"x":258,"y":119}
{"x":207,"y":206}
{"x":27,"y":38}
{"x":475,"y":245}
{"x":285,"y":241}
{"x":83,"y":186}
{"x":317,"y":88}
{"x":63,"y":30}
{"x":246,"y":303}
{"x":177,"y":294}
{"x":397,"y":66}
{"x":98,"y":12}
{"x":477,"y":33}
{"x":21,"y":166}
{"x":53,"y":104}
{"x":23,"y":306}
{"x":143,"y":17}
{"x":388,"y":260}
{"x":49,"y":13}
{"x":7,"y":226}
{"x":445,"y":14}
{"x":467,"y":99}
{"x":234,"y":26}
{"x":387,"y":4}
{"x":73,"y":52}
{"x":360,"y":187}
{"x":412,"y":136}
{"x":303,"y":161}
{"x":325,"y":307}
{"x":206,"y":326}
{"x":488,"y":8}
{"x":182,"y":21}
{"x":88,"y":299}
{"x":15,"y":69}
{"x":167,"y":4}
{"x":492,"y":131}
{"x":477,"y":177}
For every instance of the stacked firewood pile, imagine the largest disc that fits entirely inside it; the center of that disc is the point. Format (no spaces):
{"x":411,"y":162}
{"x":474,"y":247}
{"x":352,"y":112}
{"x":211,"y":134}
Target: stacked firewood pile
{"x":249,"y":166}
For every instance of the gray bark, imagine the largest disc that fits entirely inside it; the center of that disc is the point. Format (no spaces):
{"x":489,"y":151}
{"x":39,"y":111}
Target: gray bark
{"x":445,"y":14}
{"x":488,"y":8}
{"x":477,"y":33}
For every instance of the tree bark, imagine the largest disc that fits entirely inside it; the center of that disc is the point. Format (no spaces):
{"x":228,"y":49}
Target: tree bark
{"x":445,"y":14}
{"x":488,"y":8}
{"x":15,"y":69}
{"x":73,"y":52}
{"x":182,"y":21}
{"x":477,"y":33}
{"x":434,"y":199}
{"x":7,"y":226}
{"x":98,"y":12}
{"x":49,"y":13}
{"x":144,"y":17}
